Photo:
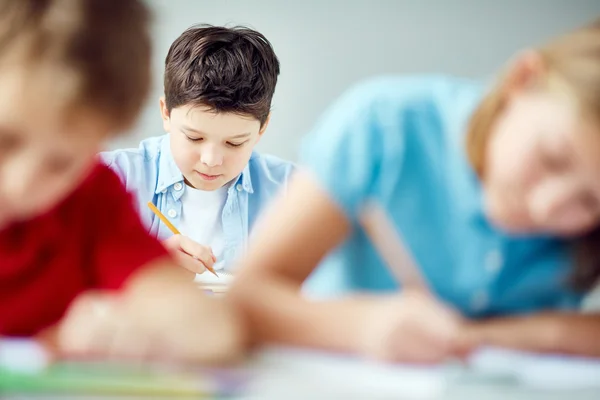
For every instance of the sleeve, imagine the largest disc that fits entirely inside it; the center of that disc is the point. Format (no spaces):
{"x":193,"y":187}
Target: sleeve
{"x":345,"y":150}
{"x":116,"y":163}
{"x":132,"y":168}
{"x":138,"y":176}
{"x":290,"y":170}
{"x":121,"y":244}
{"x":281,"y":172}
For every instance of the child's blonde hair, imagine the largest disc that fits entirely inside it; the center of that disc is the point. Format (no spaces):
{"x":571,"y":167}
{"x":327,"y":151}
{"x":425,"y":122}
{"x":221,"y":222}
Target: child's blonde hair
{"x":572,"y":62}
{"x":89,"y":54}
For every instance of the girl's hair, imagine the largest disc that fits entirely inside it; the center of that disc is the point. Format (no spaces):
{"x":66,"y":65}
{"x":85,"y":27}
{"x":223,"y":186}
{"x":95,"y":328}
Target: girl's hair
{"x":571,"y":61}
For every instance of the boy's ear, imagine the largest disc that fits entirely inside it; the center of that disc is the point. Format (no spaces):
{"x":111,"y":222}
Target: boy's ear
{"x":263,"y":128}
{"x":164,"y":113}
{"x":525,"y":72}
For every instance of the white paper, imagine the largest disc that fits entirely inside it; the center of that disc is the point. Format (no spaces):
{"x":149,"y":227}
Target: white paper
{"x":302,"y":372}
{"x":539,"y":371}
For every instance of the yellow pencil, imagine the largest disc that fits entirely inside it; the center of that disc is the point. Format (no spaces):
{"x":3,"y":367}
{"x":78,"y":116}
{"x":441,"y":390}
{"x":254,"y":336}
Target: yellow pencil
{"x":172,"y":228}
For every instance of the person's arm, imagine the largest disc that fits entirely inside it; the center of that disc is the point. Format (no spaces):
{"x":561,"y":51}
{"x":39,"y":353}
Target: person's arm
{"x":555,"y":332}
{"x":294,"y":235}
{"x":304,"y":223}
{"x":298,"y":231}
{"x":157,"y":315}
{"x":140,"y":303}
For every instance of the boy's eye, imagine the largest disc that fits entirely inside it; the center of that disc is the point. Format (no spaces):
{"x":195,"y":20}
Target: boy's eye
{"x":235,"y":144}
{"x":191,"y":139}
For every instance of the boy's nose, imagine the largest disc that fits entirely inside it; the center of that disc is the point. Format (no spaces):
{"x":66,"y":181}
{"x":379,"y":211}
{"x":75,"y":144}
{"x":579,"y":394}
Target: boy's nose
{"x":211,"y":157}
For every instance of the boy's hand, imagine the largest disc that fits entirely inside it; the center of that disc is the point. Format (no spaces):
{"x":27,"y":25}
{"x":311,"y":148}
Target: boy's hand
{"x":189,"y":254}
{"x":410,"y":327}
{"x":168,"y":322}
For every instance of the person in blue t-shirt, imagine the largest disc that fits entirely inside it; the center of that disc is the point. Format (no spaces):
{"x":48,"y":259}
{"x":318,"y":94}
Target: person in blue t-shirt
{"x":495,"y":190}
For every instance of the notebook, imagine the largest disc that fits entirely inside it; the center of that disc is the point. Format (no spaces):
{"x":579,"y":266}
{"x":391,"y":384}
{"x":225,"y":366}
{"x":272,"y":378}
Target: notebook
{"x":213,"y":284}
{"x":291,"y":373}
{"x":538,"y":371}
{"x":489,"y":366}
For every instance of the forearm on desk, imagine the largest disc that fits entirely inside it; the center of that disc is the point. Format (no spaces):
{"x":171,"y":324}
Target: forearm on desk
{"x":158,"y":275}
{"x":559,"y":332}
{"x":276,"y":312}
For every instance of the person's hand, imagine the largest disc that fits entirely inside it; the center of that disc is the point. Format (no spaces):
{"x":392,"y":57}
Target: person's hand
{"x":101,"y":325}
{"x":160,"y":320}
{"x":189,"y":254}
{"x":410,"y":327}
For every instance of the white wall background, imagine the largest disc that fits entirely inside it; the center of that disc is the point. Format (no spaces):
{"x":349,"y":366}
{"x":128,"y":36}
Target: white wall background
{"x":326,"y":45}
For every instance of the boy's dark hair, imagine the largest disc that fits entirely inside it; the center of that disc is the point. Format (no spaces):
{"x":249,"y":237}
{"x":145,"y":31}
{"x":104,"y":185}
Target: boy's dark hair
{"x":226,"y":69}
{"x":95,"y":54}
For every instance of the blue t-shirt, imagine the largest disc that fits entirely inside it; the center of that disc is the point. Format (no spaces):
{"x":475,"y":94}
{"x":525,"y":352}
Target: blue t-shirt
{"x":401,"y":142}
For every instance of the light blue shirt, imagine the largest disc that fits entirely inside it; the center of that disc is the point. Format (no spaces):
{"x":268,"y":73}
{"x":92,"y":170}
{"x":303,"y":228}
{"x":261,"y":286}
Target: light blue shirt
{"x":401,"y":142}
{"x":150,"y":174}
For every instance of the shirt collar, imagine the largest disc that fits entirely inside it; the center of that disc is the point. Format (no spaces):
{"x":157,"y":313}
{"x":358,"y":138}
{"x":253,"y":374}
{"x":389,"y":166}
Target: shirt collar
{"x":168,"y":172}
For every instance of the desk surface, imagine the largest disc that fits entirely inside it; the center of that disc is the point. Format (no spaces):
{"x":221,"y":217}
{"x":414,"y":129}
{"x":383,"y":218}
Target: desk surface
{"x":291,"y":374}
{"x":279,"y":373}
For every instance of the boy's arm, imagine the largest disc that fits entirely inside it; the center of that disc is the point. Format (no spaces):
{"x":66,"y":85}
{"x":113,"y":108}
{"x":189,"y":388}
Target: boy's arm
{"x":297,"y":232}
{"x":157,"y":315}
{"x":556,"y":332}
{"x":141,"y":303}
{"x":288,"y":244}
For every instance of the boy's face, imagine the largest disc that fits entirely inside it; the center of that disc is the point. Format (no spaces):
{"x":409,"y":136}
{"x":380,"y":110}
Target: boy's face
{"x":43,"y":156}
{"x":210,"y":149}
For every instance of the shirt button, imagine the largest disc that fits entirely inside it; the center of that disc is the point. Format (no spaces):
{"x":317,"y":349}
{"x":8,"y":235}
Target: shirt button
{"x":178,"y":186}
{"x":172,"y":213}
{"x":163,"y":191}
{"x":239,"y":187}
{"x":493,"y":261}
{"x":479,"y":300}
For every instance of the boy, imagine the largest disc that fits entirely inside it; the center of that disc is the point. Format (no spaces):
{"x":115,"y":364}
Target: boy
{"x":73,"y":72}
{"x":203,"y":175}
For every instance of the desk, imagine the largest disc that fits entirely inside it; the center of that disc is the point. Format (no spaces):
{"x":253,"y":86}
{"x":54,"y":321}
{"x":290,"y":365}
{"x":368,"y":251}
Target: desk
{"x":297,"y":375}
{"x":282,"y":374}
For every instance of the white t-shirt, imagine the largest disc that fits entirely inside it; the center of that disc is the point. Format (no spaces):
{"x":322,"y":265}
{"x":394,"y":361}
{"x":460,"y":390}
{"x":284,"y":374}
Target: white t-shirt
{"x":201,"y":218}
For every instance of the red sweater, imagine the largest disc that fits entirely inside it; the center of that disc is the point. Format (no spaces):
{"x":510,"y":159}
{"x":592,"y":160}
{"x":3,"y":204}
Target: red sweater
{"x":92,"y":240}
